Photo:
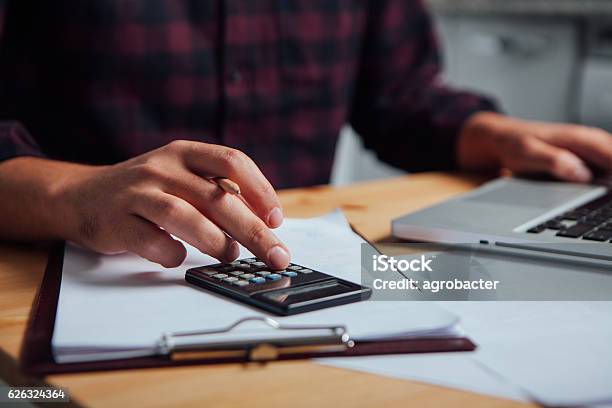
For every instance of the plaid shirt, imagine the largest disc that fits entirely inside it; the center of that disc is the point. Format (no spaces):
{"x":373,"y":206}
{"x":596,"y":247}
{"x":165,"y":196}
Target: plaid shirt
{"x":100,"y":81}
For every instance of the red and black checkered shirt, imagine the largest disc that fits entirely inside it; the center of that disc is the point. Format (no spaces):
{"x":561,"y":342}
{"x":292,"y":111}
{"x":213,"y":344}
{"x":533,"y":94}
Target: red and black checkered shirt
{"x":99,"y":81}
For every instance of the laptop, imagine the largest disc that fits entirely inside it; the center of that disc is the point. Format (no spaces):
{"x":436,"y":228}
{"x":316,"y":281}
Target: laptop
{"x":546,"y":217}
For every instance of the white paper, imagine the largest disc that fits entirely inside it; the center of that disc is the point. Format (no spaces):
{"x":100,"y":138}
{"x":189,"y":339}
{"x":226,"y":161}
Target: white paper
{"x":557,"y":352}
{"x":455,"y":370}
{"x":119,"y":306}
{"x":554,"y":353}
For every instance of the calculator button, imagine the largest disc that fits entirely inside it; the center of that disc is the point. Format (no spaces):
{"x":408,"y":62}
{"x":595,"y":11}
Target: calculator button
{"x":250,"y":260}
{"x":225,"y":268}
{"x":240,"y":283}
{"x":273,"y":276}
{"x":306,"y":270}
{"x":259,"y":264}
{"x":257,"y":279}
{"x":246,"y":276}
{"x":209,"y":272}
{"x":230,"y":279}
{"x":220,"y":276}
{"x":241,"y":266}
{"x":290,"y":274}
{"x":236,"y":273}
{"x":263,"y":273}
{"x":294,"y":268}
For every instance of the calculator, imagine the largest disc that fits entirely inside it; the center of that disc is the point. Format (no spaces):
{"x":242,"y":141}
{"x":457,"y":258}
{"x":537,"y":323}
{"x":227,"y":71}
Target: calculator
{"x":296,"y":289}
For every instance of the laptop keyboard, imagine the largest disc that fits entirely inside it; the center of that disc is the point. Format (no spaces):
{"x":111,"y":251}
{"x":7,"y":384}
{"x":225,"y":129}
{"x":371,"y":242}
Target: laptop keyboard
{"x":591,"y":221}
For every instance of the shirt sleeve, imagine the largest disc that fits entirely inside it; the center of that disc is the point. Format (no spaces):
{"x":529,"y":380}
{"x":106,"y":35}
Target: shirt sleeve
{"x":2,"y":14}
{"x":15,"y":140}
{"x":400,"y":108}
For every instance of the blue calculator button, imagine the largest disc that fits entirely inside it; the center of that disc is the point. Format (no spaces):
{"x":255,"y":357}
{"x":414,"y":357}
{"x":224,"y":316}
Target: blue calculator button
{"x":257,"y":279}
{"x":273,"y":276}
{"x":289,"y":274}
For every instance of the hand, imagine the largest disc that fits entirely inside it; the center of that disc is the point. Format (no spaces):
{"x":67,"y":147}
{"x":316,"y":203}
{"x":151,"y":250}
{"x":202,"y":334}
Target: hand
{"x":135,"y":206}
{"x":567,"y":152}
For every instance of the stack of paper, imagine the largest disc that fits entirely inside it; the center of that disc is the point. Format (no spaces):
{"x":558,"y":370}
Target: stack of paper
{"x":551,"y":353}
{"x":119,"y":306}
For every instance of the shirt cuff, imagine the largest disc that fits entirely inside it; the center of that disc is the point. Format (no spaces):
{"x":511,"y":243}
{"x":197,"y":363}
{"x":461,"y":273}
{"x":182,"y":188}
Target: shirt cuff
{"x":450,"y":129}
{"x":16,"y":141}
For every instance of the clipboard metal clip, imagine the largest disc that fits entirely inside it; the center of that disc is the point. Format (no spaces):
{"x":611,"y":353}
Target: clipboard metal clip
{"x":192,"y":345}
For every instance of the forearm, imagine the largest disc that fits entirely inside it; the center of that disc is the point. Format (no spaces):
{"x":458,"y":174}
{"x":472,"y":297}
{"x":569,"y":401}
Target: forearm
{"x":32,"y":206}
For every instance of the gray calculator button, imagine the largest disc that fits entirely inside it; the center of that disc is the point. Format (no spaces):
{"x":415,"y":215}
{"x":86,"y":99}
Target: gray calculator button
{"x":294,"y":268}
{"x":209,"y":272}
{"x":240,"y":283}
{"x":247,"y":276}
{"x":305,"y":270}
{"x":249,"y":260}
{"x":220,"y":276}
{"x":230,"y":279}
{"x":259,"y":263}
{"x":263,"y":273}
{"x":236,"y":273}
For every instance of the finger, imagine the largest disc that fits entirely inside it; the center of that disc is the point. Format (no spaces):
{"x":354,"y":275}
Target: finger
{"x":212,"y":160}
{"x":150,"y":242}
{"x":591,"y":144}
{"x":184,"y":221}
{"x":234,"y":217}
{"x":534,"y":155}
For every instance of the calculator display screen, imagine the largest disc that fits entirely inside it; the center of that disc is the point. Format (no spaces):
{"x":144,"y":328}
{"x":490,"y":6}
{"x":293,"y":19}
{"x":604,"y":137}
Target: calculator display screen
{"x":306,"y":293}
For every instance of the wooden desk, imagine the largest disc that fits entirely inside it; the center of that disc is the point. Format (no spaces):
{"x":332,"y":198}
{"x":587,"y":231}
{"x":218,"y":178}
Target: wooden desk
{"x":369,"y":206}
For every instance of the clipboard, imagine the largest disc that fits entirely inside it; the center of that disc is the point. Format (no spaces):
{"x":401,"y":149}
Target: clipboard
{"x":36,"y":357}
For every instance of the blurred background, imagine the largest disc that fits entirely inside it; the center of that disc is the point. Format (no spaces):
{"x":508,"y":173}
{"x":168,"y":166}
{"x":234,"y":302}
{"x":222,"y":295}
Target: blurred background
{"x":545,"y":60}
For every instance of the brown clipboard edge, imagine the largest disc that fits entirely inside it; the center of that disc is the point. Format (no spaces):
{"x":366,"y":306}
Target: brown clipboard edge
{"x":36,"y":357}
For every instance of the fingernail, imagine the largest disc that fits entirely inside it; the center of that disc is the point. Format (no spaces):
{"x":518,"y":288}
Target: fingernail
{"x":278,"y":257}
{"x":582,"y":173}
{"x":275,"y":218}
{"x":233,"y":251}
